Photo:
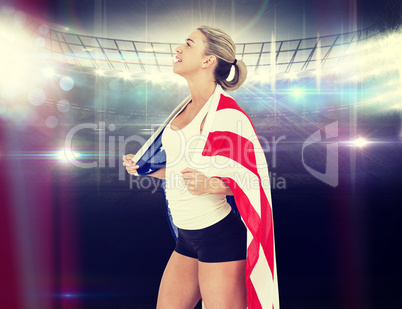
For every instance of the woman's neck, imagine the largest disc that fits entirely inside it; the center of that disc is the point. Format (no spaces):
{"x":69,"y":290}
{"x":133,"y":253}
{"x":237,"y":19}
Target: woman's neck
{"x":201,"y":91}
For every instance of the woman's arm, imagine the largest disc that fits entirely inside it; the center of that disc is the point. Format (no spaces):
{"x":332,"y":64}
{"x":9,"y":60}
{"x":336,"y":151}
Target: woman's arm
{"x":197,"y":183}
{"x":132,"y":167}
{"x":218,"y":186}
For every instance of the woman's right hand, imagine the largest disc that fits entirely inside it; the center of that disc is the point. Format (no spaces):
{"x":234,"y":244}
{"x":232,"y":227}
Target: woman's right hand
{"x":131,"y":167}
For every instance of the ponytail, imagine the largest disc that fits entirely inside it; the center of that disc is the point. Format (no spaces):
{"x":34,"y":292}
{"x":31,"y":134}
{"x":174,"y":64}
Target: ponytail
{"x":239,"y":77}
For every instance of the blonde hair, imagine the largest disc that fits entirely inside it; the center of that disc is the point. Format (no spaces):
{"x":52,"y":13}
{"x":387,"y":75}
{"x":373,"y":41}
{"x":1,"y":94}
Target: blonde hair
{"x":221,"y":45}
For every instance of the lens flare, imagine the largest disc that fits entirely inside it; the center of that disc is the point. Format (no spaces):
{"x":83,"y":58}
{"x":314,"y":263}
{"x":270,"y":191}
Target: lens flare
{"x":66,"y":83}
{"x":48,"y":72}
{"x":66,"y":156}
{"x":360,"y":142}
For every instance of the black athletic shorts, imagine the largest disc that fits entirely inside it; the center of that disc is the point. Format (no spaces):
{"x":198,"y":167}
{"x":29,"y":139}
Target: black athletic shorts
{"x":223,"y":241}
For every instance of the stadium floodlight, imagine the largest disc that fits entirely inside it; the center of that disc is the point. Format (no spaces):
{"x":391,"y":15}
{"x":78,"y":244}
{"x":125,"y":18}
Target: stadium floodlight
{"x":125,"y":74}
{"x":18,"y":62}
{"x":49,"y":72}
{"x":383,"y":52}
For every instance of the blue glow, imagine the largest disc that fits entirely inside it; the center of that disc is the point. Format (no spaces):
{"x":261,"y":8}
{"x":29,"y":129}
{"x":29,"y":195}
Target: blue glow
{"x":298,"y":92}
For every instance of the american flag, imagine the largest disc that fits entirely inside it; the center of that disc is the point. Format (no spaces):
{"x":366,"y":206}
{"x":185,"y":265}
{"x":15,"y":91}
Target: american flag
{"x":236,"y":156}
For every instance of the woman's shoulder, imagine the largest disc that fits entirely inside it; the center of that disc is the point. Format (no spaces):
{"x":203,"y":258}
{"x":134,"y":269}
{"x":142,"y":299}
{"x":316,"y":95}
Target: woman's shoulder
{"x":228,"y":104}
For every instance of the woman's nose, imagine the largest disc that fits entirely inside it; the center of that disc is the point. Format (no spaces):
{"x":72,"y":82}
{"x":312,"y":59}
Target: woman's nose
{"x":179,"y":49}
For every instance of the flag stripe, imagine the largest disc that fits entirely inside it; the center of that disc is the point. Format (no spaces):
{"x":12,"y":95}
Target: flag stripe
{"x":252,"y":221}
{"x":252,"y":297}
{"x":220,"y":146}
{"x":229,"y":103}
{"x":240,"y":144}
{"x":267,"y":233}
{"x":233,"y":146}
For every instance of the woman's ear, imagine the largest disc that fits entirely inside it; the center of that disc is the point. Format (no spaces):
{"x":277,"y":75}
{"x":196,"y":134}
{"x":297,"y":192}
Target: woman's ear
{"x":208,"y":61}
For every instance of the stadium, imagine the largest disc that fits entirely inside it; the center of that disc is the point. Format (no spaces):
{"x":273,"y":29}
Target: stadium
{"x":327,"y":111}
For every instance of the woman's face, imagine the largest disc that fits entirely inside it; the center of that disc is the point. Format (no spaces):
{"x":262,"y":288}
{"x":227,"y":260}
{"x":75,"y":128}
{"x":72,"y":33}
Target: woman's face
{"x":190,"y":55}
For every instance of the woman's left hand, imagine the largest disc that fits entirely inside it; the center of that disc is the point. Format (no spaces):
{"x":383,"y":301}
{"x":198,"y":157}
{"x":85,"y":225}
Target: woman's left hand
{"x":197,"y":183}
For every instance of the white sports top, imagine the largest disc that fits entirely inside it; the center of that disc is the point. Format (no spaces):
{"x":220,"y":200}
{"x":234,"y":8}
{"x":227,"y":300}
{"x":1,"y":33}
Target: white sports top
{"x":189,"y":211}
